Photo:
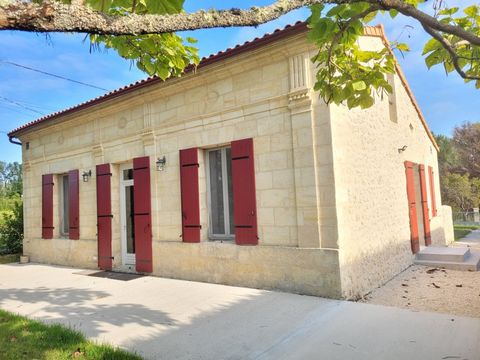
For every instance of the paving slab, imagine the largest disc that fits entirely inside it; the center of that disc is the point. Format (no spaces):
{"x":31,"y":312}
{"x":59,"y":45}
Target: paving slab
{"x":173,"y":319}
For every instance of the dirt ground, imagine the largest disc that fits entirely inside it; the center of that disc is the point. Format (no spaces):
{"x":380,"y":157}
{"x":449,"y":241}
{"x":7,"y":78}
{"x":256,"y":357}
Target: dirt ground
{"x":431,"y":289}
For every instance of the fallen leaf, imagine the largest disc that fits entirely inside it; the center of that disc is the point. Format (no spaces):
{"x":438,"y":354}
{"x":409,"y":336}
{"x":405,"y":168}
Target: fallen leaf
{"x":438,"y":287}
{"x":459,"y":285}
{"x":404,"y":285}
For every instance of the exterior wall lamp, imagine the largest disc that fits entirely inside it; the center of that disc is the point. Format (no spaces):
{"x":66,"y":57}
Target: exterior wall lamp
{"x":161,"y":162}
{"x":86,"y":175}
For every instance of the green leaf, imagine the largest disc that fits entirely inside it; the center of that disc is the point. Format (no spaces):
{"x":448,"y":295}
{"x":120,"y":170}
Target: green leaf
{"x":448,"y":11}
{"x":359,"y":85}
{"x":430,"y":46}
{"x":393,"y":13}
{"x":402,"y":47}
{"x":433,"y":59}
{"x":471,"y":11}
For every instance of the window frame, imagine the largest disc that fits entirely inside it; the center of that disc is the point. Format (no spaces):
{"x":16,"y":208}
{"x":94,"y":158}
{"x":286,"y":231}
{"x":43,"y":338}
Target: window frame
{"x":64,"y":207}
{"x":226,"y":201}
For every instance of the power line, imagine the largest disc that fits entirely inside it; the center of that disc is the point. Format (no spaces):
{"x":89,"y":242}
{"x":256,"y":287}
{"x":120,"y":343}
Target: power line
{"x":50,"y":74}
{"x":34,"y":105}
{"x":21,"y":105}
{"x":10,"y":107}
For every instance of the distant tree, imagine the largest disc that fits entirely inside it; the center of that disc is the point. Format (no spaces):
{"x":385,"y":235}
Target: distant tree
{"x":466,"y":140}
{"x":11,"y":181}
{"x":460,"y":191}
{"x":14,"y":178}
{"x":11,"y":230}
{"x":448,"y":158}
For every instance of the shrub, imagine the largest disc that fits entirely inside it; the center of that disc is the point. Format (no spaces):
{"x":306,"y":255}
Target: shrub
{"x":11,"y":230}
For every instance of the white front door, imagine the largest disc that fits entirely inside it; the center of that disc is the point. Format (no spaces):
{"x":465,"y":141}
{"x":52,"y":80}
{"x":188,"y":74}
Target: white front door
{"x":126,"y":215}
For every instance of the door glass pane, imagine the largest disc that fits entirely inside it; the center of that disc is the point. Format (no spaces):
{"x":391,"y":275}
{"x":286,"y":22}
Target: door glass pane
{"x":130,"y":231}
{"x":65,"y":196}
{"x":216,"y":192}
{"x":230,"y":190}
{"x":128,"y":174}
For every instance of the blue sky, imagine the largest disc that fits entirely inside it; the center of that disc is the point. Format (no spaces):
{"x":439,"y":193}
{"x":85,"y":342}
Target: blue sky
{"x":445,"y":100}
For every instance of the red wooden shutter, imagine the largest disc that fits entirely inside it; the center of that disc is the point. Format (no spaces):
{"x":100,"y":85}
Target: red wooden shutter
{"x":47,"y":206}
{"x":244,"y":199}
{"x":190,"y":195}
{"x":412,"y":207}
{"x":142,"y":214}
{"x":423,"y":190}
{"x":73,"y":205}
{"x":104,"y":217}
{"x":432,"y":191}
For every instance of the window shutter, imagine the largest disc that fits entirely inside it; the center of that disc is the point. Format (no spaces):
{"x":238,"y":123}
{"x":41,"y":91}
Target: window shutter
{"x":104,"y":217}
{"x":142,"y":214}
{"x":412,"y":207}
{"x":244,"y":199}
{"x":47,"y":206}
{"x":423,"y":190}
{"x":432,"y":191}
{"x":73,"y":205}
{"x":190,"y":195}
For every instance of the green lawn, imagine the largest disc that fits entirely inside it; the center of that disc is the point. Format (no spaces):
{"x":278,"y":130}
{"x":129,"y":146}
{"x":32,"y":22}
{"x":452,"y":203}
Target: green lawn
{"x":5,"y":259}
{"x":21,"y":338}
{"x":460,"y":231}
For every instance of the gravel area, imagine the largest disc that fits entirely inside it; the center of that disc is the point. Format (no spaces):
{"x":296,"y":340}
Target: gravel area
{"x":431,"y":289}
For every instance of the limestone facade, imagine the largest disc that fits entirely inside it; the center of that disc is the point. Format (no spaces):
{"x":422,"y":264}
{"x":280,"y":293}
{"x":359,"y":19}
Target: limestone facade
{"x":332,"y":209}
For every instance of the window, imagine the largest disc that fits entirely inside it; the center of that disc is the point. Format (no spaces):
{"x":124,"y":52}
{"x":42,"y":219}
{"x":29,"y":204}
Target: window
{"x":64,"y":205}
{"x":220,"y":193}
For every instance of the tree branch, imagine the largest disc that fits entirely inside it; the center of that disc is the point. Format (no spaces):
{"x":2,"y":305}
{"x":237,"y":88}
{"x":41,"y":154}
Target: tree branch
{"x":430,"y":21}
{"x":453,"y":55}
{"x":343,"y":27}
{"x":51,"y":15}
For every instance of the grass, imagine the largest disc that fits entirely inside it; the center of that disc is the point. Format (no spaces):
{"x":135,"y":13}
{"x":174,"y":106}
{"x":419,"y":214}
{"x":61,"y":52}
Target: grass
{"x":460,"y":231}
{"x":21,"y":338}
{"x":6,"y":259}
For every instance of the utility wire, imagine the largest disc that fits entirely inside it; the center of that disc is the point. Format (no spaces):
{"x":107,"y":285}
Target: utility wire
{"x":50,"y":74}
{"x":34,"y":105}
{"x":10,"y":107}
{"x":21,"y":105}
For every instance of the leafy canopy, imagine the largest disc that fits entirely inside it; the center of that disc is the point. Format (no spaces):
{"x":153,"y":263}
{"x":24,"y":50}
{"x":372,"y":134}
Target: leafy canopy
{"x":346,"y":73}
{"x":164,"y":55}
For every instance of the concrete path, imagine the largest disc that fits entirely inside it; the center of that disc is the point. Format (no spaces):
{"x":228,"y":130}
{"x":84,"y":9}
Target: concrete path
{"x":171,"y":319}
{"x":471,"y":240}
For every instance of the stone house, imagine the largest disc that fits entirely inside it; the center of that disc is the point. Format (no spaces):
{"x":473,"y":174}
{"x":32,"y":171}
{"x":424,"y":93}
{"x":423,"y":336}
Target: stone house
{"x":237,"y":173}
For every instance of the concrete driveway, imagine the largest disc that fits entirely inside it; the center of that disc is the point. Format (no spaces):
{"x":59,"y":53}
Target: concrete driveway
{"x":171,"y":319}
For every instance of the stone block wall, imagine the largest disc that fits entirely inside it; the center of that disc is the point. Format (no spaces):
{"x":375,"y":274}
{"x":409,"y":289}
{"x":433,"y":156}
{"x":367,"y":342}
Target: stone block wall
{"x":265,"y":95}
{"x":371,"y":197}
